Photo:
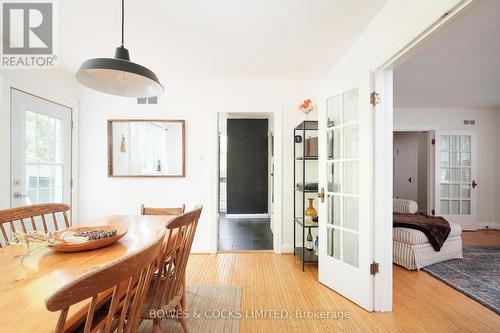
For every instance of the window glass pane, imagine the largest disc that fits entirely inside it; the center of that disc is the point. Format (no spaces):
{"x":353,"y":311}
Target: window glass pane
{"x":466,"y":175}
{"x":465,"y":191}
{"x":465,"y":159}
{"x":44,"y":195}
{"x":350,"y":253}
{"x":445,"y":191}
{"x":334,"y":106}
{"x":33,"y":196}
{"x":32,"y":176}
{"x":465,"y":207}
{"x":334,"y":210}
{"x":333,"y":242}
{"x":454,"y":142}
{"x":334,"y":173}
{"x":351,"y":106}
{"x":445,"y":175}
{"x":333,"y":141}
{"x":351,"y":213}
{"x":455,"y":191}
{"x":454,"y":175}
{"x":445,"y":207}
{"x":445,"y":158}
{"x":455,"y":207}
{"x":455,"y":158}
{"x":444,"y":143}
{"x":466,"y":142}
{"x":351,"y":142}
{"x":351,"y":178}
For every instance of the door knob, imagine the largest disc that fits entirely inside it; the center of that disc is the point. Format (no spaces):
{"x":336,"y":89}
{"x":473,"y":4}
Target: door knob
{"x":321,"y":195}
{"x":409,"y":180}
{"x":474,"y":184}
{"x":18,"y":195}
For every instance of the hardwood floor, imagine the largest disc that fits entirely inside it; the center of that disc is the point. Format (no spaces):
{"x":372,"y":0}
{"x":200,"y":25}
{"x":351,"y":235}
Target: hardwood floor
{"x":481,"y":237}
{"x":276,"y":282}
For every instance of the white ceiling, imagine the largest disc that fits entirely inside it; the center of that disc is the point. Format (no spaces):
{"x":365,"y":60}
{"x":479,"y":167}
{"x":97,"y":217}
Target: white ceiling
{"x":459,"y":67}
{"x":216,"y":39}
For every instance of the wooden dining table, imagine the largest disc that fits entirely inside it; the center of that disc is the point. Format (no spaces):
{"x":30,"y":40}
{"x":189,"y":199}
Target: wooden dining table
{"x":26,"y":284}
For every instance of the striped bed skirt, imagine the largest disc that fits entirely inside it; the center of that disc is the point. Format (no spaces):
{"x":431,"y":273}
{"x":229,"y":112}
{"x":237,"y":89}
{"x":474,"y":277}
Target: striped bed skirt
{"x":416,"y":256}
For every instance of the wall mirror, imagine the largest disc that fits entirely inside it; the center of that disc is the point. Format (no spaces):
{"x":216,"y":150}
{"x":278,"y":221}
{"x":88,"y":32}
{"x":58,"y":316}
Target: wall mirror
{"x":146,"y":148}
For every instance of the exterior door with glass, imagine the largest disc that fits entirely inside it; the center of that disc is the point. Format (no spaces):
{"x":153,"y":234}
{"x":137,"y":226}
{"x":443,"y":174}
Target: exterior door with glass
{"x":40,"y":150}
{"x":456,"y":182}
{"x":345,"y":169}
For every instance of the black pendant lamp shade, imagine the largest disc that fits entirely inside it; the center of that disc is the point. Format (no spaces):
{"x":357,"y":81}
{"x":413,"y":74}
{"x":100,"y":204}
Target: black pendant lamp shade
{"x":118,"y":75}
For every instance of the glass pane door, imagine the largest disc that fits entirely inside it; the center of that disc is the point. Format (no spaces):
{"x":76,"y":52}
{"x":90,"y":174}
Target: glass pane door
{"x":40,"y":151}
{"x":455,"y":178}
{"x":343,"y":178}
{"x":43,"y":158}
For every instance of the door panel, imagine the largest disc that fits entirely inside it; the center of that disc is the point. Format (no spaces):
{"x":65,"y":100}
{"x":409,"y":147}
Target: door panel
{"x":405,"y":170}
{"x":456,"y":182}
{"x":247,"y":166}
{"x":345,"y":167}
{"x":40,"y":150}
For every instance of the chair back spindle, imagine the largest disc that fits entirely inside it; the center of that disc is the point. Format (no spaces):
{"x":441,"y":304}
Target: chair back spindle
{"x":162,"y":211}
{"x":115,"y":292}
{"x":42,"y":218}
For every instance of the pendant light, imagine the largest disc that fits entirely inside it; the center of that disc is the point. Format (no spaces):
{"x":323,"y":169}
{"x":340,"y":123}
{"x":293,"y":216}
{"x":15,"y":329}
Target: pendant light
{"x":119,"y":76}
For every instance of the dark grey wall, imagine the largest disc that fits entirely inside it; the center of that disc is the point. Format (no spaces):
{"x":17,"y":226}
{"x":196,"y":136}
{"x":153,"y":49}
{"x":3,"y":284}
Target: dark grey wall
{"x":247,"y":164}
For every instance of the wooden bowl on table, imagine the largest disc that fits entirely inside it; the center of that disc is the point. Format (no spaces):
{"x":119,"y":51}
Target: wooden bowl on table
{"x":89,"y":245}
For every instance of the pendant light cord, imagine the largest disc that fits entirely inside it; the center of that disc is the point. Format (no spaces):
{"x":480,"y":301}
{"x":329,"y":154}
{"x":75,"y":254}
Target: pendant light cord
{"x":123,"y":20}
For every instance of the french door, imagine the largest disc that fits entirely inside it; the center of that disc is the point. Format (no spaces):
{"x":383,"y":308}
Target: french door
{"x":456,"y":182}
{"x":345,"y":176}
{"x":40,"y":150}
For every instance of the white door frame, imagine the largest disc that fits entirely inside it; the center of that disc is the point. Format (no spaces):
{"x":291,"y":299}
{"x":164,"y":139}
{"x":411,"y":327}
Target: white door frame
{"x":382,"y":136}
{"x":277,"y":113}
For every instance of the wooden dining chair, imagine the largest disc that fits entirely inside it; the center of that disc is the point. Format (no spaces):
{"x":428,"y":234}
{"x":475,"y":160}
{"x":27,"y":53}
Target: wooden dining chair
{"x":162,"y":211}
{"x":168,"y":285}
{"x":42,"y":218}
{"x":124,"y":284}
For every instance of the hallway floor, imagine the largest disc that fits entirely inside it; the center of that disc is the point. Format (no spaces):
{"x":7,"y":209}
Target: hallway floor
{"x":237,"y":234}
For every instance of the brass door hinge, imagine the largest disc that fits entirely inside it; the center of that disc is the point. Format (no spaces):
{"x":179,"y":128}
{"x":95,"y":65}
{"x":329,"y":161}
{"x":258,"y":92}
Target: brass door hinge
{"x":433,"y":141}
{"x":433,"y":212}
{"x":373,"y":268}
{"x":374,"y":98}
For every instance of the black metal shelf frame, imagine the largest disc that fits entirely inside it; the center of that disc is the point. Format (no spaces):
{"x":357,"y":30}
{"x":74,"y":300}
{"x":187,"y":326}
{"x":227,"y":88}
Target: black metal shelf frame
{"x":306,"y":256}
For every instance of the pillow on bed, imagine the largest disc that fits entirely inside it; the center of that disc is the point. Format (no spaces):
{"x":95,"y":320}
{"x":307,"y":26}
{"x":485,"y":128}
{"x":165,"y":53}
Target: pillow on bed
{"x":404,"y":206}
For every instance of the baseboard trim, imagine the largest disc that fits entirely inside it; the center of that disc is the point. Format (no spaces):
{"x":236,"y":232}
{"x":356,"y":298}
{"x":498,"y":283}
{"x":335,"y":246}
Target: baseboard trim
{"x":287,"y":248}
{"x":247,"y":216}
{"x":488,"y":226}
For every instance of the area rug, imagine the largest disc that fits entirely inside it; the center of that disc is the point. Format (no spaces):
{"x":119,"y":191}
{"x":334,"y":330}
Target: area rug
{"x":208,"y":309}
{"x":477,"y":275}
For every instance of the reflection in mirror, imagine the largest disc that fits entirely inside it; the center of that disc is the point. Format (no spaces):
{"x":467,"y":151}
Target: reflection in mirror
{"x":146,"y":148}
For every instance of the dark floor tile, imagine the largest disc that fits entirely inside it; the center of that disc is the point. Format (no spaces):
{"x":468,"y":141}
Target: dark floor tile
{"x":245,"y":243}
{"x":262,"y":235}
{"x":242,"y":239}
{"x":262,"y":244}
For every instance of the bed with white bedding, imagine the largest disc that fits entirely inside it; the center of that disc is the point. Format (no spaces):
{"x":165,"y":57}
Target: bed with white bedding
{"x":412,"y":249}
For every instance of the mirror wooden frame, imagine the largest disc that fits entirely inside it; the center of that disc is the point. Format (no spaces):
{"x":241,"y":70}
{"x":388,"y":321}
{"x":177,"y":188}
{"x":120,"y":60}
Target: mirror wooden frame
{"x":110,"y":147}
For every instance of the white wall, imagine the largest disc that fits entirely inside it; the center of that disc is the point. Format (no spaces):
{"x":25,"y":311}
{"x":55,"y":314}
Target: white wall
{"x":54,"y":85}
{"x":194,"y":101}
{"x":487,"y":146}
